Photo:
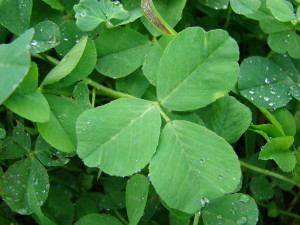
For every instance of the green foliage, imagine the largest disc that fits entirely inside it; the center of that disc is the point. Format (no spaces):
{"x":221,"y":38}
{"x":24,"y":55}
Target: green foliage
{"x":149,"y":112}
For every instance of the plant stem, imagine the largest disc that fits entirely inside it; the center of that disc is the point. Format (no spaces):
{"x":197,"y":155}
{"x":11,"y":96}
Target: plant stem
{"x":105,"y":90}
{"x":56,"y":92}
{"x":51,"y":60}
{"x":283,"y":212}
{"x":164,"y":115}
{"x":93,"y":97}
{"x":268,"y":173}
{"x":196,"y":218}
{"x":120,"y":217}
{"x":228,"y":18}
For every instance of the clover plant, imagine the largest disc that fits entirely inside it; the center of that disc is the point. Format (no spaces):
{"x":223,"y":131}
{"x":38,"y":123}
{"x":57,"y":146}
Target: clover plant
{"x":149,"y":112}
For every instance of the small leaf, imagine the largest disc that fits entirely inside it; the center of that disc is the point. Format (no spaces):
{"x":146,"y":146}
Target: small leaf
{"x":286,"y":120}
{"x":261,"y":187}
{"x":91,"y":13}
{"x":282,"y":10}
{"x":227,"y":117}
{"x":81,"y":95}
{"x":98,"y":219}
{"x":231,"y":209}
{"x":46,"y":36}
{"x":58,"y":207}
{"x":118,"y":57}
{"x":120,"y":137}
{"x":205,"y":165}
{"x":278,"y":150}
{"x":263,"y":83}
{"x":59,"y":131}
{"x":245,"y":6}
{"x":14,"y":64}
{"x":196,"y":68}
{"x":68,"y":64}
{"x":136,"y":197}
{"x":55,"y":4}
{"x":48,"y":155}
{"x":15,"y":15}
{"x":24,"y":173}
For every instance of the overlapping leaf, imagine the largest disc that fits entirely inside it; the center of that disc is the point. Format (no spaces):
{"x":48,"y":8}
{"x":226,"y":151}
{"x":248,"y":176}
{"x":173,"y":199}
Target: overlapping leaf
{"x":121,"y":137}
{"x":196,"y":68}
{"x":205,"y":165}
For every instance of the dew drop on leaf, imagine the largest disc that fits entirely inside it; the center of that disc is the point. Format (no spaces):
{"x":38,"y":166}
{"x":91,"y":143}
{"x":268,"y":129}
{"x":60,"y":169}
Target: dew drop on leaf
{"x":244,"y":198}
{"x":204,"y":202}
{"x":219,"y":216}
{"x":221,"y":176}
{"x":266,"y":98}
{"x":202,"y":160}
{"x":267,"y":80}
{"x":242,"y":220}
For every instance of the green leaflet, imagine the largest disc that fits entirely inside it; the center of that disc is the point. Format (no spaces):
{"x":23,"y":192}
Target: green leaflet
{"x":227,"y":117}
{"x":46,"y":36}
{"x":264,"y":83}
{"x":278,"y":150}
{"x":205,"y":165}
{"x":136,"y":197}
{"x":30,"y":176}
{"x":15,"y":62}
{"x":231,"y":209}
{"x":120,"y":137}
{"x":118,"y":57}
{"x":15,"y":15}
{"x":59,"y":131}
{"x":98,"y":219}
{"x":196,"y":68}
{"x":244,"y":6}
{"x":282,"y":10}
{"x":55,"y":4}
{"x":91,"y":13}
{"x":26,"y":101}
{"x":77,"y":64}
{"x":261,"y":187}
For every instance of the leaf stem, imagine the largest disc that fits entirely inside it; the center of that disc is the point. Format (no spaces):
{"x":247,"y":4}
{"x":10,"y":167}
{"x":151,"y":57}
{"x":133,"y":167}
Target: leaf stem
{"x":120,"y":217}
{"x":196,"y":218}
{"x":282,"y":212}
{"x":164,"y":115}
{"x":228,"y":18}
{"x":51,"y":60}
{"x":268,"y":173}
{"x":155,"y":18}
{"x":55,"y":92}
{"x":105,"y":90}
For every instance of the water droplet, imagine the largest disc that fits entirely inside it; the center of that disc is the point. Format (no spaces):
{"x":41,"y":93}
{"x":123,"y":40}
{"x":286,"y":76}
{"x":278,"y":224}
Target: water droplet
{"x":221,"y":176}
{"x":34,"y":43}
{"x":273,"y":92}
{"x":88,"y":122}
{"x":267,"y":68}
{"x":271,"y":103}
{"x":83,"y":14}
{"x":219,"y":216}
{"x":266,"y":98}
{"x":204,"y":202}
{"x":244,"y":198}
{"x":267,"y":80}
{"x":242,"y":220}
{"x":202,"y":160}
{"x":251,"y":92}
{"x":66,"y":39}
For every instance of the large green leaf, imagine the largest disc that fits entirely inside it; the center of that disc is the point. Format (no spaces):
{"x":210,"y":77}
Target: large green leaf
{"x":231,"y":209}
{"x":98,"y":219}
{"x":120,"y":137}
{"x":46,"y":36}
{"x":78,"y":63}
{"x":136,"y":197}
{"x":28,"y":103}
{"x":196,"y":68}
{"x":205,"y":165}
{"x":278,"y":150}
{"x":25,"y":173}
{"x":263,"y":83}
{"x":118,"y":57}
{"x":91,"y":13}
{"x":15,"y":15}
{"x":227,"y":117}
{"x":59,"y":131}
{"x":261,"y":187}
{"x":14,"y":64}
